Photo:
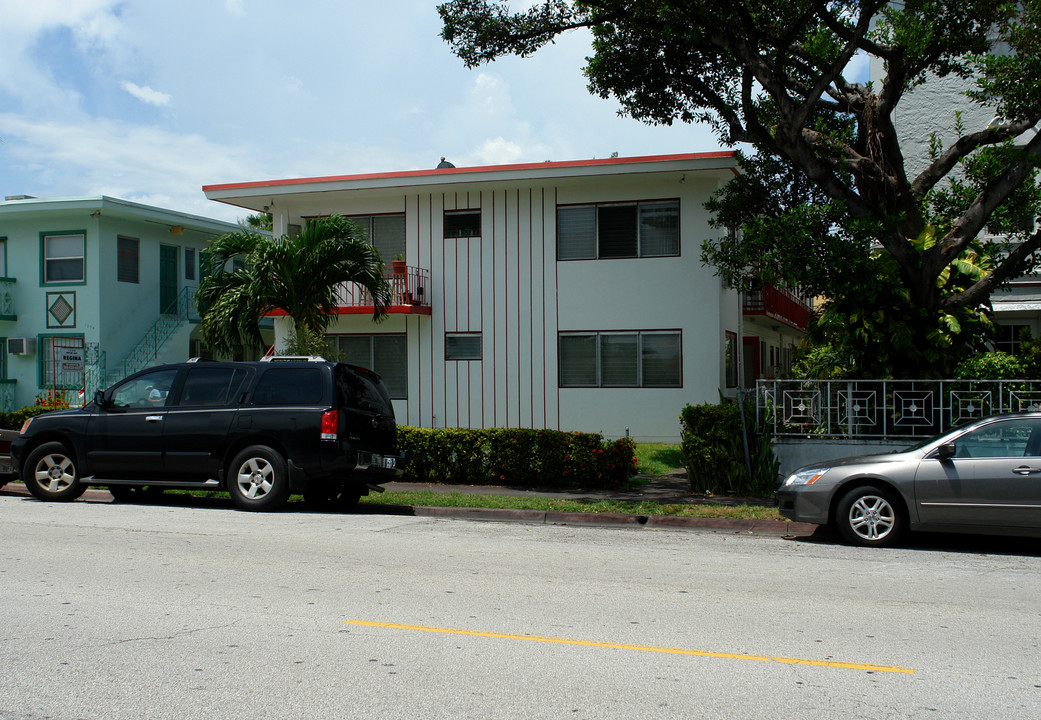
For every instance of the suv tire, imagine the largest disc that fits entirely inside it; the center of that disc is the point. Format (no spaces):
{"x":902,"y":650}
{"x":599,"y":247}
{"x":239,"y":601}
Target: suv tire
{"x":258,"y":479}
{"x":50,"y":473}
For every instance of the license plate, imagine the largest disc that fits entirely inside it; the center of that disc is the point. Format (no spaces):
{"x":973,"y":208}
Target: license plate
{"x":6,"y":467}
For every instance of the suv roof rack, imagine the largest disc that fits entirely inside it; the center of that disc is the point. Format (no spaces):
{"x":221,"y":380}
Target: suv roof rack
{"x":292,"y":358}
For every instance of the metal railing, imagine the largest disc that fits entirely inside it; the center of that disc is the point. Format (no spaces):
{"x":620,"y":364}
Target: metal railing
{"x":886,"y":409}
{"x":7,"y":297}
{"x":411,"y":287}
{"x":149,"y":347}
{"x":778,"y":303}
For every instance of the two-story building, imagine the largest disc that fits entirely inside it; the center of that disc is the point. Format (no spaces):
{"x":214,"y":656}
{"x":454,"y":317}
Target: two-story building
{"x":565,"y":295}
{"x":92,"y":289}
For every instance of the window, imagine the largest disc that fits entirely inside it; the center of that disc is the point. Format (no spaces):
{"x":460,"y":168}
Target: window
{"x":146,"y":391}
{"x":189,"y":263}
{"x":3,"y":257}
{"x":1010,"y":338}
{"x":730,"y":358}
{"x":462,"y":223}
{"x":621,"y":230}
{"x":63,"y":258}
{"x":386,"y":354}
{"x":211,"y":387}
{"x":620,"y":359}
{"x":386,"y":233}
{"x":1010,"y":438}
{"x":127,"y":255}
{"x":60,"y":361}
{"x":463,"y":346}
{"x":289,"y":386}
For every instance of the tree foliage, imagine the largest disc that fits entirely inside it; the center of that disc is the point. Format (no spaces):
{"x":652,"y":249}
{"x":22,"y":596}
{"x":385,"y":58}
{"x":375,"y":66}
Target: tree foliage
{"x":829,"y":180}
{"x":248,"y":275}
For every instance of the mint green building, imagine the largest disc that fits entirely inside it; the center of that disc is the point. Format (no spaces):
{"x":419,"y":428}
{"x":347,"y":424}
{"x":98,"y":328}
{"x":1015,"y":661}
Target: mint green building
{"x":92,"y":289}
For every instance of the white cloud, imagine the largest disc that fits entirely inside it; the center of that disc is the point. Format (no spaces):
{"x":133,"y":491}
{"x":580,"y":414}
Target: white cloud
{"x":235,"y":7}
{"x":146,"y":94}
{"x":499,"y":151}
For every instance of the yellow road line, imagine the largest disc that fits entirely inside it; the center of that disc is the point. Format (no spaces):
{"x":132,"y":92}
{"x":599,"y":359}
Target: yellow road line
{"x":643,"y":648}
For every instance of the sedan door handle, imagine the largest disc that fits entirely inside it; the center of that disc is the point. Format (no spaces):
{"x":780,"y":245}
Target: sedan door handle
{"x":1025,"y":470}
{"x":157,"y":418}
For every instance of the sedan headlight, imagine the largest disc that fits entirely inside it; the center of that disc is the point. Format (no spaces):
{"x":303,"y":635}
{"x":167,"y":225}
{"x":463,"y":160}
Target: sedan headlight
{"x":805,"y":477}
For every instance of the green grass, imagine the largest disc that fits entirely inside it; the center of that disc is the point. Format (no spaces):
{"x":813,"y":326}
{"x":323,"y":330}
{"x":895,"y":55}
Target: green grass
{"x":464,"y":500}
{"x":657,"y":458}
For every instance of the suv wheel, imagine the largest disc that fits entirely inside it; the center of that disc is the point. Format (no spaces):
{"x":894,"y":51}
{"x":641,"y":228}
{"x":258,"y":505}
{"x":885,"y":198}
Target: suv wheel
{"x":259,"y":479}
{"x":50,"y":473}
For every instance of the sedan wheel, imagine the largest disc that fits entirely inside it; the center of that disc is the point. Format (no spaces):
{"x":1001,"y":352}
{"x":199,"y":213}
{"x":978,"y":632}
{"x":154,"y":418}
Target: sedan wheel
{"x":50,"y":473}
{"x":259,"y":479}
{"x":870,"y":516}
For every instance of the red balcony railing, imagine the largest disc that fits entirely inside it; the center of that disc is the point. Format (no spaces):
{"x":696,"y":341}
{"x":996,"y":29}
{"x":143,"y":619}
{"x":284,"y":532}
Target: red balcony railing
{"x":781,"y":305}
{"x":410,"y":294}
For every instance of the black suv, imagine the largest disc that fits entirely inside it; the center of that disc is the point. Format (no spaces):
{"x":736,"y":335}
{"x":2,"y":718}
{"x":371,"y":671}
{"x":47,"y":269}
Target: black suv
{"x":259,"y":430}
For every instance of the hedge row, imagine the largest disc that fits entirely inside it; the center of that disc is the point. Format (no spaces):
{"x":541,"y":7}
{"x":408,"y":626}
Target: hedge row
{"x":714,"y":451}
{"x":516,"y":457}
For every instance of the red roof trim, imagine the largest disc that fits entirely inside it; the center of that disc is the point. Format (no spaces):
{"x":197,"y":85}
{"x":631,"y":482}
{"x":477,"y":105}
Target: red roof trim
{"x":720,"y":154}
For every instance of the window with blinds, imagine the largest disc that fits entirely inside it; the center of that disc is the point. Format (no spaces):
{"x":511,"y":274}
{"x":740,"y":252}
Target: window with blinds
{"x":620,"y":359}
{"x":618,"y":230}
{"x":386,"y":233}
{"x":385,"y":354}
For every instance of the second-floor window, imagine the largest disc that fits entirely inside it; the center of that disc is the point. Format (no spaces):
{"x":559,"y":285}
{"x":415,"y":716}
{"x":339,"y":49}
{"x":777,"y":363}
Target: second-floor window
{"x":618,"y":230}
{"x":63,"y":258}
{"x":127,"y":259}
{"x":385,"y":232}
{"x":462,"y":223}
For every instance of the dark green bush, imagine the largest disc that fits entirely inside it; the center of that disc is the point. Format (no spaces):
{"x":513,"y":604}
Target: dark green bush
{"x":713,"y":450}
{"x":515,"y":456}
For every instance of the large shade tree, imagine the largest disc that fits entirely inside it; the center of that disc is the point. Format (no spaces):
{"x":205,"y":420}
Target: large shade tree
{"x":249,"y":275}
{"x":775,"y":74}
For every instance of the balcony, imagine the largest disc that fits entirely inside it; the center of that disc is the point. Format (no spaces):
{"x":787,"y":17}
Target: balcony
{"x":783,"y":306}
{"x":410,"y":294}
{"x":7,"y":299}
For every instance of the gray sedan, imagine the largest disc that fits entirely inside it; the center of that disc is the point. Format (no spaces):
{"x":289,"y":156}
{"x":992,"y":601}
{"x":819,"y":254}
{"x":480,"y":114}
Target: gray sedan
{"x":980,"y":478}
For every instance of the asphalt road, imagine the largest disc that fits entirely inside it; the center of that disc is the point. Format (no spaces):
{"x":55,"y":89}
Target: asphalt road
{"x":122,"y":611}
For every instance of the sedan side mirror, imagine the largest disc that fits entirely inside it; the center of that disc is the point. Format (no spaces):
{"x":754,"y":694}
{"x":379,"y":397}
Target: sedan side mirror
{"x":99,"y":398}
{"x":946,"y":451}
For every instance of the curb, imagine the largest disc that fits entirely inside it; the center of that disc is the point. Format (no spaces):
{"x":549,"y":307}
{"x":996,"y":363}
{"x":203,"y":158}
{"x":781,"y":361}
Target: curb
{"x":655,"y":522}
{"x":544,"y":517}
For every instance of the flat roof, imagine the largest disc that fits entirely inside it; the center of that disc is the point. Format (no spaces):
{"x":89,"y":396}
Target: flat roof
{"x":470,"y":174}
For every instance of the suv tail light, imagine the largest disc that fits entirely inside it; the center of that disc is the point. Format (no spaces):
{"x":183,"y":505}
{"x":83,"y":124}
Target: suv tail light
{"x":330,"y":424}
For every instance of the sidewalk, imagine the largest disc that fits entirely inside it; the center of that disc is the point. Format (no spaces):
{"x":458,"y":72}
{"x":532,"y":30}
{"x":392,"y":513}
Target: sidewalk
{"x":673,"y":489}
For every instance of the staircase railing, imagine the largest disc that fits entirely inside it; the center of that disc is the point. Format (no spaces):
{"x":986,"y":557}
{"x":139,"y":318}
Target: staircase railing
{"x":151,"y":344}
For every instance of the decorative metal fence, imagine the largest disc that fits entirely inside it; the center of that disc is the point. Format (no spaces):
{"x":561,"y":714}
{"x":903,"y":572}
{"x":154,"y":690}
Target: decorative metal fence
{"x":886,"y":409}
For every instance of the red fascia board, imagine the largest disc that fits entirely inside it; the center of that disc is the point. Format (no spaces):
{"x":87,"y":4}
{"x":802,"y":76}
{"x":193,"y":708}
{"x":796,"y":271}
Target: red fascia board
{"x":720,"y":154}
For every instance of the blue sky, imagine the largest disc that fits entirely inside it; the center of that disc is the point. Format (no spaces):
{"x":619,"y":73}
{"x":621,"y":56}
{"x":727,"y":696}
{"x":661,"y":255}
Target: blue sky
{"x":148,"y":100}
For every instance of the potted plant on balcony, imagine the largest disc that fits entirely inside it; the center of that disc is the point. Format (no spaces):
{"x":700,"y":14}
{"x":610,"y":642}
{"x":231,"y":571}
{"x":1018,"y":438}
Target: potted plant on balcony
{"x":398,"y":266}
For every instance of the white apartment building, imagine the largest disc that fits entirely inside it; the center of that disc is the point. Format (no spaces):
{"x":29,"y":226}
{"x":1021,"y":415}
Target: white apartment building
{"x":562,"y":295}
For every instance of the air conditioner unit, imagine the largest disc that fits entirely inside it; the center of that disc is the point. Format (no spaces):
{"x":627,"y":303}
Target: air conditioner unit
{"x":21,"y":346}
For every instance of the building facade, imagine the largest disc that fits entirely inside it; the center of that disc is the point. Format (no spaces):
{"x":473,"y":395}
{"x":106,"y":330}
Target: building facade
{"x":92,"y":289}
{"x":567,"y":295}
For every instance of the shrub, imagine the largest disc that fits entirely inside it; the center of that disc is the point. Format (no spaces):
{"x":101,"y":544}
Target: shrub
{"x":714,"y":454}
{"x":991,"y":366}
{"x":515,"y":456}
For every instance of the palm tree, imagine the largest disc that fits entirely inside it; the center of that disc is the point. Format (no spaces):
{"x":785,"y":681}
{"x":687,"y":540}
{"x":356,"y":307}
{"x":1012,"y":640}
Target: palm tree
{"x":297,"y":275}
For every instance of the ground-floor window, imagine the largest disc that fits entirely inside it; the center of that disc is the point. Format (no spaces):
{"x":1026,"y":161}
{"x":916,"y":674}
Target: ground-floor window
{"x":621,"y":359}
{"x":1010,"y":337}
{"x":385,"y":353}
{"x":61,"y":361}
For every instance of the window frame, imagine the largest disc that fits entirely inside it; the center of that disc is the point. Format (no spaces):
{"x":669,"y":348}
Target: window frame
{"x":44,"y":260}
{"x":459,"y":356}
{"x":458,"y":232}
{"x":190,"y":260}
{"x":640,"y":360}
{"x":639,"y":239}
{"x":122,"y":256}
{"x":368,"y":224}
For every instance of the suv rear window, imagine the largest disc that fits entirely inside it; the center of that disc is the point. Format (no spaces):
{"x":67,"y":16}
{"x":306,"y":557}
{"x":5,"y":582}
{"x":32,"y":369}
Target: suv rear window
{"x":361,"y":392}
{"x":289,"y":386}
